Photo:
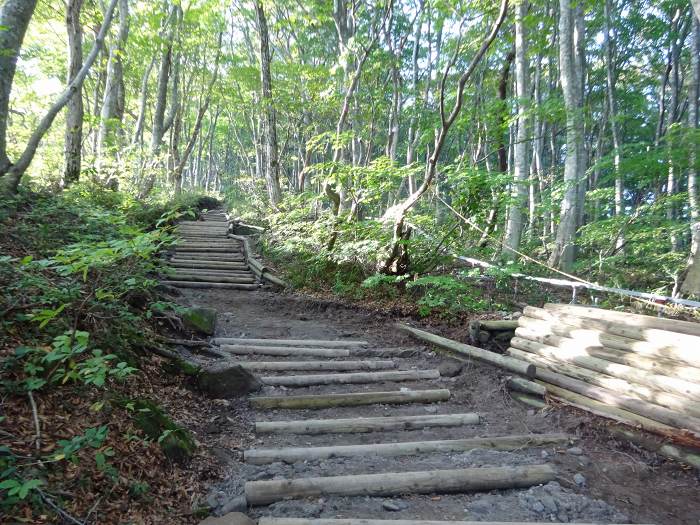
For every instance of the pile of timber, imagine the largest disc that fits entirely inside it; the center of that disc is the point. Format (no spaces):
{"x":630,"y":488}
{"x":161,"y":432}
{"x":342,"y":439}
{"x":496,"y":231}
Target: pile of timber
{"x":481,"y":332}
{"x":639,"y":370}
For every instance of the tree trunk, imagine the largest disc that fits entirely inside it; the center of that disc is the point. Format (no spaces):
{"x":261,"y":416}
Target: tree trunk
{"x":563,"y":253}
{"x":143,"y":100}
{"x":519,"y":193}
{"x":396,"y":258}
{"x":274,"y":191}
{"x":14,"y":20}
{"x":612,"y":112}
{"x":74,"y":110}
{"x":13,"y":174}
{"x":691,"y":279}
{"x":112,"y":111}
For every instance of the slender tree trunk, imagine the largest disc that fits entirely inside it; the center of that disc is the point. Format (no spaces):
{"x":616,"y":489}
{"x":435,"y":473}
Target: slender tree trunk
{"x":502,"y":152}
{"x":11,"y":178}
{"x":143,"y":101}
{"x":272,"y":177}
{"x":690,"y":284}
{"x":563,"y":253}
{"x":74,"y":109}
{"x":112,"y":111}
{"x":612,"y":112}
{"x":397,"y":259}
{"x":519,"y":194}
{"x":14,"y":20}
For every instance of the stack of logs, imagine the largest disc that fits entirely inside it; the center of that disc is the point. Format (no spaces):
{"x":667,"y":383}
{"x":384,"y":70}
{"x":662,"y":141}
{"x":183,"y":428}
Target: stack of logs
{"x":640,"y":370}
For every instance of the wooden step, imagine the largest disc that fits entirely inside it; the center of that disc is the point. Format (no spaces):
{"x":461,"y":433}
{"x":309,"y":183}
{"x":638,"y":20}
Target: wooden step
{"x":351,"y":399}
{"x":210,"y":278}
{"x":335,"y":343}
{"x":366,"y":424}
{"x":227,"y":286}
{"x":212,"y":249}
{"x":214,"y":271}
{"x":400,"y":483}
{"x":197,"y":256}
{"x":285,"y":351}
{"x":263,"y":456}
{"x":352,"y":378}
{"x":284,"y":366}
{"x":209,"y":264}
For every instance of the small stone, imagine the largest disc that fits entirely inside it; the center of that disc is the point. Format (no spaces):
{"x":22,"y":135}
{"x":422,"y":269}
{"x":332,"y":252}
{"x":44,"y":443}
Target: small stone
{"x":451,"y":368}
{"x":200,"y":319}
{"x":575,"y":451}
{"x":550,"y":504}
{"x":223,"y":380}
{"x":232,"y":518}
{"x":431,"y":409}
{"x":544,"y":454}
{"x":538,"y":506}
{"x":390,"y":506}
{"x":234,"y":505}
{"x":580,"y":479}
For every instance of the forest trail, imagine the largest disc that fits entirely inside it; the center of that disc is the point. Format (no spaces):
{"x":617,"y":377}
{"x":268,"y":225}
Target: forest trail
{"x":205,"y":257}
{"x":355,"y":421}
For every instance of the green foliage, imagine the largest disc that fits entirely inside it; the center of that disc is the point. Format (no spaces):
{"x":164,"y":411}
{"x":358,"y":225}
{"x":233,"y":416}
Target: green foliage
{"x":446,"y":296}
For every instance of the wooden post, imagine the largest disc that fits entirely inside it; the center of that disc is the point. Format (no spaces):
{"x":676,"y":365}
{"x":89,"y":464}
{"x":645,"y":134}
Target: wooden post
{"x":353,"y":399}
{"x":394,"y":484}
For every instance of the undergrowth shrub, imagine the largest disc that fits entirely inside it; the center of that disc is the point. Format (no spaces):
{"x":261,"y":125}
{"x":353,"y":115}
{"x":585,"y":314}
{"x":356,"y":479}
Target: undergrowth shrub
{"x":77,"y":295}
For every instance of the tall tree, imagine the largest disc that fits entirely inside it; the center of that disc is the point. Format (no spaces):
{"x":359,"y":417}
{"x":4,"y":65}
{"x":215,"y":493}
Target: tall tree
{"x":75,"y":112}
{"x":113,"y":101}
{"x":272,"y":177}
{"x":12,"y":174}
{"x":14,"y":20}
{"x":563,"y":252}
{"x":514,"y":227}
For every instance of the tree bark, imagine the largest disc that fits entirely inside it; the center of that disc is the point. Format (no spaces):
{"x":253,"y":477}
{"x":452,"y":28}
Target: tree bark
{"x":519,"y":193}
{"x":691,"y":279}
{"x":75,"y":111}
{"x":112,"y":111}
{"x":563,"y":252}
{"x":14,"y":20}
{"x":274,"y":191}
{"x":612,"y":112}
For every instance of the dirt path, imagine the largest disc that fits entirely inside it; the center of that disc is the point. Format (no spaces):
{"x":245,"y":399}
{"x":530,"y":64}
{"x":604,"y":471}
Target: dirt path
{"x":596,"y":480}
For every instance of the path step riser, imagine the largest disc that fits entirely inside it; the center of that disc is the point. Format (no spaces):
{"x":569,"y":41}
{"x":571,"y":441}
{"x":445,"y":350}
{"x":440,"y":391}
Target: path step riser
{"x":348,"y":400}
{"x":368,"y":424}
{"x":225,"y":286}
{"x":400,"y":483}
{"x":348,"y":379}
{"x":287,"y":366}
{"x":297,"y":454}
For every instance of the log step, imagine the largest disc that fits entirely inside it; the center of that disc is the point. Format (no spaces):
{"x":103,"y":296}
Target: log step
{"x":365,"y":424}
{"x":355,"y":521}
{"x":213,"y":271}
{"x":351,"y":399}
{"x":217,"y":249}
{"x":179,"y":276}
{"x":228,"y":286}
{"x":291,"y":342}
{"x":283,"y":366}
{"x":263,"y":456}
{"x":210,"y":264}
{"x":400,"y":483}
{"x":285,"y":351}
{"x":222,"y":257}
{"x":352,"y":378}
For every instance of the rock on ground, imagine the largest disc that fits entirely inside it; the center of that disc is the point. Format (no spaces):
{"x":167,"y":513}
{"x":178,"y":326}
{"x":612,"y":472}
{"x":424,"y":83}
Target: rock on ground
{"x":222,"y":380}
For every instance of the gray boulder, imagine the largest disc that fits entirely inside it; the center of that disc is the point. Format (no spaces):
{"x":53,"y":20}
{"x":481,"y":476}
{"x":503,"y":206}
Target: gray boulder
{"x":222,"y":380}
{"x":200,"y":319}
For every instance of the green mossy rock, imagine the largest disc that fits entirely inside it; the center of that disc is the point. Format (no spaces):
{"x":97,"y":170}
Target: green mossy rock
{"x":200,"y":319}
{"x":178,"y":445}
